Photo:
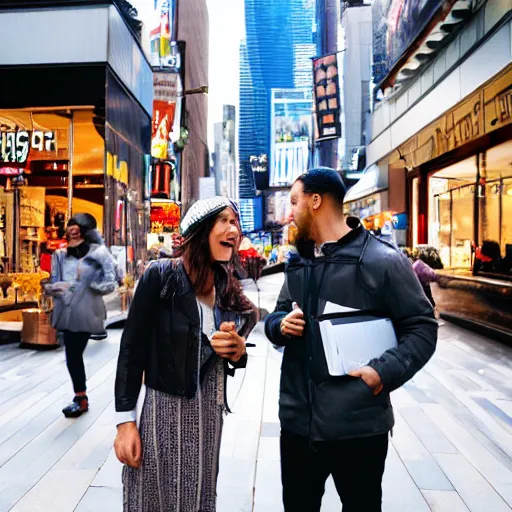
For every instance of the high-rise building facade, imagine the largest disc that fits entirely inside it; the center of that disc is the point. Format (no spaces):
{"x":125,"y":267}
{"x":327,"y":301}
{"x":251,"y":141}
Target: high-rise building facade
{"x":275,"y":54}
{"x":355,"y":69}
{"x":226,"y":175}
{"x":193,"y":30}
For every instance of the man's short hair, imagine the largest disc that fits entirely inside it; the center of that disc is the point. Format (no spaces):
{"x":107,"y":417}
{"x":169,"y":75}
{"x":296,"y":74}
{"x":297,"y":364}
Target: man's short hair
{"x":324,"y":181}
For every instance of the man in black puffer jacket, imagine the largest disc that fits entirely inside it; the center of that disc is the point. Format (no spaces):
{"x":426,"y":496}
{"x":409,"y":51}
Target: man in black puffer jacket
{"x":339,"y":425}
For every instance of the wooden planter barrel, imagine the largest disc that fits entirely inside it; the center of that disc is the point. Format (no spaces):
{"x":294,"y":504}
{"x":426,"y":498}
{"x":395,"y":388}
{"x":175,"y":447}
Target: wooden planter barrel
{"x":37,"y":328}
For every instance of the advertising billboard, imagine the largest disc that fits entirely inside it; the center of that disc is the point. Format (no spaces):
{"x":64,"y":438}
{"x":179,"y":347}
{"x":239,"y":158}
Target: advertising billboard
{"x":251,"y":214}
{"x":278,"y":208}
{"x":327,"y":97}
{"x":396,"y":25}
{"x":163,"y":52}
{"x":165,"y":94}
{"x":290,"y":135}
{"x":165,"y":216}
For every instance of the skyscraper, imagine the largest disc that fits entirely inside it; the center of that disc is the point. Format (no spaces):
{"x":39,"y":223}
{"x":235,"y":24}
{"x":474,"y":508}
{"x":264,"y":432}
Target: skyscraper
{"x":275,"y":54}
{"x":226,"y":177}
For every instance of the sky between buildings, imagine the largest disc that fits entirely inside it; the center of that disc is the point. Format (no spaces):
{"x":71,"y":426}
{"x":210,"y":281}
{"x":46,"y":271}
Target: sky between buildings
{"x":227,"y":28}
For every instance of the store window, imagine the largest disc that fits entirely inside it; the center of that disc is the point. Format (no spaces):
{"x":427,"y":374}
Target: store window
{"x":489,"y":198}
{"x":506,"y":217}
{"x":456,"y":190}
{"x":452,"y":213}
{"x":443,"y":233}
{"x":39,"y":148}
{"x":496,"y":203}
{"x":463,"y":227}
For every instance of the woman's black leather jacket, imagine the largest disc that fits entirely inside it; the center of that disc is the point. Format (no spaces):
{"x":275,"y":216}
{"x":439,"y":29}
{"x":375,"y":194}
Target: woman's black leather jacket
{"x":163,"y":335}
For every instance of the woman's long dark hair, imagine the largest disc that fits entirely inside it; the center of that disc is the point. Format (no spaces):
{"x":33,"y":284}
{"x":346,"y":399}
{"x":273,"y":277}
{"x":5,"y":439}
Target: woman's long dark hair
{"x":196,"y":255}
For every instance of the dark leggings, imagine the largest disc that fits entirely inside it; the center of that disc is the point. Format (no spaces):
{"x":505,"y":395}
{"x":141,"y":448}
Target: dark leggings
{"x":75,"y":343}
{"x":428,"y":293}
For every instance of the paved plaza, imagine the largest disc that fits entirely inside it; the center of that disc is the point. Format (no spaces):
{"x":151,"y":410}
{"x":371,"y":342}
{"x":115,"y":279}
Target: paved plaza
{"x":451,"y":448}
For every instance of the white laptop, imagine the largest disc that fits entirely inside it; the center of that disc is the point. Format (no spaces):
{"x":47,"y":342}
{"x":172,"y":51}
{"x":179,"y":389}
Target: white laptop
{"x":351,"y":340}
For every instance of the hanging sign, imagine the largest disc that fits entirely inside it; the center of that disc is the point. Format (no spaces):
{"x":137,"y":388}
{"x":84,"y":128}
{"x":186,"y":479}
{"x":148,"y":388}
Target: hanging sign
{"x":327,"y":97}
{"x":165,"y":89}
{"x":32,"y":206}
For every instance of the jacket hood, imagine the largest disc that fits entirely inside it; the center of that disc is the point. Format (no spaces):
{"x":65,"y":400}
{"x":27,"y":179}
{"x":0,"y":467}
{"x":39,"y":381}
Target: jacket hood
{"x":94,"y":237}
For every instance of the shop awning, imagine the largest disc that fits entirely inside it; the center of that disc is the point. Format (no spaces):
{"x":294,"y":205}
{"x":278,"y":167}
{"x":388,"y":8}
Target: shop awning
{"x":374,"y":179}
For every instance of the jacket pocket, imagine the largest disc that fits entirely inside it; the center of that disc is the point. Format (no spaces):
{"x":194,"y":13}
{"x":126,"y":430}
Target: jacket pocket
{"x":368,"y":388}
{"x":348,"y":400}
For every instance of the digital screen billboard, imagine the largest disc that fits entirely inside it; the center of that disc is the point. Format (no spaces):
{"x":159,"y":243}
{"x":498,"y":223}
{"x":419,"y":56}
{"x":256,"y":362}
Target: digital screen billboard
{"x":163,"y":53}
{"x":396,"y":25}
{"x":251,"y":214}
{"x":291,"y":118}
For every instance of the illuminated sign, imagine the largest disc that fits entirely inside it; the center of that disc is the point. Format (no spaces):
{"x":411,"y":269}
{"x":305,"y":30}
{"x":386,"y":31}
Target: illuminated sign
{"x":10,"y":171}
{"x":16,"y":146}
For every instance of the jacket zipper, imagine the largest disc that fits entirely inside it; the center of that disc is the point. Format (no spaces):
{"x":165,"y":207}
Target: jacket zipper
{"x":312,"y":310}
{"x":309,"y":353}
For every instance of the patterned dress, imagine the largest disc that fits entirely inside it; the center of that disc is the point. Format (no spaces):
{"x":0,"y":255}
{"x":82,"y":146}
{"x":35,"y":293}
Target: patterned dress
{"x":180,"y":445}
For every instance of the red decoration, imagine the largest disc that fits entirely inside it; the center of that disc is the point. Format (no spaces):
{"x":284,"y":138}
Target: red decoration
{"x":252,"y":262}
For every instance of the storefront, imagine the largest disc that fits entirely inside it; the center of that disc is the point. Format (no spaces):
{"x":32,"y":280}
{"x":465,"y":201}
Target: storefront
{"x":471,"y":202}
{"x":58,"y":161}
{"x":75,"y":131}
{"x":460,"y":196}
{"x":378,"y":200}
{"x":43,"y":152}
{"x":460,"y":171}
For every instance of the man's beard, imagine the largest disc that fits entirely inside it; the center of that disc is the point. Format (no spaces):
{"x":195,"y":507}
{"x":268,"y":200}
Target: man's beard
{"x":304,"y":243}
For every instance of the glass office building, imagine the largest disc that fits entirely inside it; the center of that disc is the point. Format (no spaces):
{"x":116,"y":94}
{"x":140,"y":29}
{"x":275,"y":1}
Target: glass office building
{"x":275,"y":54}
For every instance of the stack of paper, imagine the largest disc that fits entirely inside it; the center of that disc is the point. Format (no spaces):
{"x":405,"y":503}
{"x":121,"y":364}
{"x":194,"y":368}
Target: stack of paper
{"x":351,"y":341}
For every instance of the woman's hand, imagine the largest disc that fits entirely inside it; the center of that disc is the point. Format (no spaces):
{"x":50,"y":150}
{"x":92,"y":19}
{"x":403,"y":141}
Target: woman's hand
{"x":128,"y":445}
{"x":57,"y":289}
{"x":227,"y":343}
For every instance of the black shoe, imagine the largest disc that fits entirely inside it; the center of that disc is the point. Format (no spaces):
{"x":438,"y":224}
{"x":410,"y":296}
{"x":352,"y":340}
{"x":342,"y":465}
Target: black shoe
{"x":101,"y":336}
{"x":77,"y":407}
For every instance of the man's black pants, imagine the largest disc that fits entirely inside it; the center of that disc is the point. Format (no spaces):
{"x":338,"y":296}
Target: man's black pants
{"x":356,"y":465}
{"x":75,"y":343}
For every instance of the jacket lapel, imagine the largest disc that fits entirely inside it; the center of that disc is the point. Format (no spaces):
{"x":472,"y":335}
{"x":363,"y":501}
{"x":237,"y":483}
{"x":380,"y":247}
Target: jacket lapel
{"x":177,"y":285}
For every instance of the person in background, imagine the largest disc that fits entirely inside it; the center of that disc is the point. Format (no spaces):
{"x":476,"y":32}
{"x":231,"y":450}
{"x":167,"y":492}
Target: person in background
{"x":426,"y":276}
{"x":339,"y":425}
{"x":185,"y":333}
{"x":487,"y":257}
{"x":176,"y":241}
{"x":45,"y":260}
{"x":80,"y":275}
{"x":159,"y":250}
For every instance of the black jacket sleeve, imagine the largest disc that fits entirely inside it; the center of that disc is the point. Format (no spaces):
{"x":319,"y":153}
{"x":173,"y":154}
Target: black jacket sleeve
{"x":415,"y":324}
{"x":135,"y":340}
{"x":273,"y":321}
